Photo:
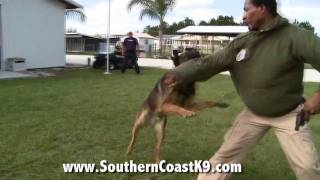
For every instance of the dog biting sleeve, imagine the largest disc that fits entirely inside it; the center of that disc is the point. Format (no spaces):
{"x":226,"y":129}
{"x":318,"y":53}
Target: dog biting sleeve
{"x":202,"y":69}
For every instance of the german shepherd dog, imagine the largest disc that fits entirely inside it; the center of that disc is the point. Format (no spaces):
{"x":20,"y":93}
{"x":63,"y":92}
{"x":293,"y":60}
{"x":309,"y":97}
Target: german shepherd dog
{"x":167,"y":97}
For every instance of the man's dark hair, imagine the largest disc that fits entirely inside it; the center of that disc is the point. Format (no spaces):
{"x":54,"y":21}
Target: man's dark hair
{"x":271,"y":5}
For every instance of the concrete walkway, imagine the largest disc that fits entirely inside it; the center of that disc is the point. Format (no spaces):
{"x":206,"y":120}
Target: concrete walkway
{"x":310,"y":75}
{"x":144,"y":62}
{"x":12,"y":75}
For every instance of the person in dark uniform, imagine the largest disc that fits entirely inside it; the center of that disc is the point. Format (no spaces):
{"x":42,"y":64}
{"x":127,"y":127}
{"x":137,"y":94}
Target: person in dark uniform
{"x":130,"y":46}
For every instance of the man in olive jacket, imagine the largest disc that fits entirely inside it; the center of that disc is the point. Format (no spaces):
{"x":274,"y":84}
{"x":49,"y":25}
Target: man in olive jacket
{"x":266,"y":66}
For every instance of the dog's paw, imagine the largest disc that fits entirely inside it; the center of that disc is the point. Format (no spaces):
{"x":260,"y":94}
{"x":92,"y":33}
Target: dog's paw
{"x":187,"y":114}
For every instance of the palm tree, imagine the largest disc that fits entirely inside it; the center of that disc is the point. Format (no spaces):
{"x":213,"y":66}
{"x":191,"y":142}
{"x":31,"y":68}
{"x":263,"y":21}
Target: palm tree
{"x":77,"y":14}
{"x":155,"y":9}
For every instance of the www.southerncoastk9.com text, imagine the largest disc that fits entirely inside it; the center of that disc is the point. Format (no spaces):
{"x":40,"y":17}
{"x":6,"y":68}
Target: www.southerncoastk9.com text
{"x":196,"y":166}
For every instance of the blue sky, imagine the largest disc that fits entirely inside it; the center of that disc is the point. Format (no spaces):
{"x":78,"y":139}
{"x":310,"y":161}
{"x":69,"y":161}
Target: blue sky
{"x":123,"y":21}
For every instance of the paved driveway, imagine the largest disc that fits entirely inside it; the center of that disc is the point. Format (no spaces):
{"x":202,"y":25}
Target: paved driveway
{"x":310,"y":75}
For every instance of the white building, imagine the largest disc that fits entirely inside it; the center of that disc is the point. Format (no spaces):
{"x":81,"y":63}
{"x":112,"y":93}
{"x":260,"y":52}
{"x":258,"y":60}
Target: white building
{"x":207,"y":37}
{"x":195,"y":41}
{"x":230,"y":31}
{"x":145,"y":41}
{"x":34,"y":30}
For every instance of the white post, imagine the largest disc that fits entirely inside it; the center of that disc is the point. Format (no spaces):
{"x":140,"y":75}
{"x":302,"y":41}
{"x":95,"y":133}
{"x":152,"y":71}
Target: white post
{"x":108,"y":41}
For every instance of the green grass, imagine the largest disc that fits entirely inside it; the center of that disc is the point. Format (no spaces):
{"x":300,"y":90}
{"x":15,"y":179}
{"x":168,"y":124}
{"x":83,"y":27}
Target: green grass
{"x":84,"y":116}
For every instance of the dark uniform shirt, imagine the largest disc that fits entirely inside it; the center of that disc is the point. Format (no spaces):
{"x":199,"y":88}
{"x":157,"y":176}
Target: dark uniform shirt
{"x":130,"y":43}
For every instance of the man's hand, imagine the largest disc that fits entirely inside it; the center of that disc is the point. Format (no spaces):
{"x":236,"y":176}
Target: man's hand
{"x":312,"y":105}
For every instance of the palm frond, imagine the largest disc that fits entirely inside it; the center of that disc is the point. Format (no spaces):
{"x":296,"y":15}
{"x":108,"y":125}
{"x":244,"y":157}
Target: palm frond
{"x":140,"y":3}
{"x":170,"y":4}
{"x":76,"y":14}
{"x":163,"y":6}
{"x":150,"y":13}
{"x":155,"y":9}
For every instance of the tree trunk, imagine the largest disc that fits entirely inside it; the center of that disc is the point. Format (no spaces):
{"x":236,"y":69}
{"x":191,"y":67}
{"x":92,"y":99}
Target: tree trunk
{"x":160,"y":36}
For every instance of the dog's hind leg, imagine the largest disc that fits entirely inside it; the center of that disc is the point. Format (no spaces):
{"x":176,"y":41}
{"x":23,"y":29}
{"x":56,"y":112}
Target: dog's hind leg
{"x":160,"y":133}
{"x":140,"y":119}
{"x":198,"y":106}
{"x":171,"y":108}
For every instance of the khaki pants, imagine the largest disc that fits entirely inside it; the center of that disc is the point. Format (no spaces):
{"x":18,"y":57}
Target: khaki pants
{"x":249,"y":128}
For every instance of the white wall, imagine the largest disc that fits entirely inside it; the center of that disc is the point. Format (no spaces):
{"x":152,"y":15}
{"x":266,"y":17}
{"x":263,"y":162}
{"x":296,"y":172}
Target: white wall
{"x":144,"y":43}
{"x":34,"y":30}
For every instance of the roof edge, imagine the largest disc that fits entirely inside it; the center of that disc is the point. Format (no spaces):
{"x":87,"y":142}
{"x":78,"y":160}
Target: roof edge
{"x":70,"y":4}
{"x":208,"y":31}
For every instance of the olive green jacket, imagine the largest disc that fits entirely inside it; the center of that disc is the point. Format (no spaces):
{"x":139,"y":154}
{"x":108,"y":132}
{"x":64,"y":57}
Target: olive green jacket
{"x":266,"y":66}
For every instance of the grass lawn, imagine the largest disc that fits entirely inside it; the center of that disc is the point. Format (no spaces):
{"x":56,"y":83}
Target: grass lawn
{"x":84,"y":116}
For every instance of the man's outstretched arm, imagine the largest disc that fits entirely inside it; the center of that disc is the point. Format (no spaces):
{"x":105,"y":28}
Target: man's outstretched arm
{"x":203,"y":68}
